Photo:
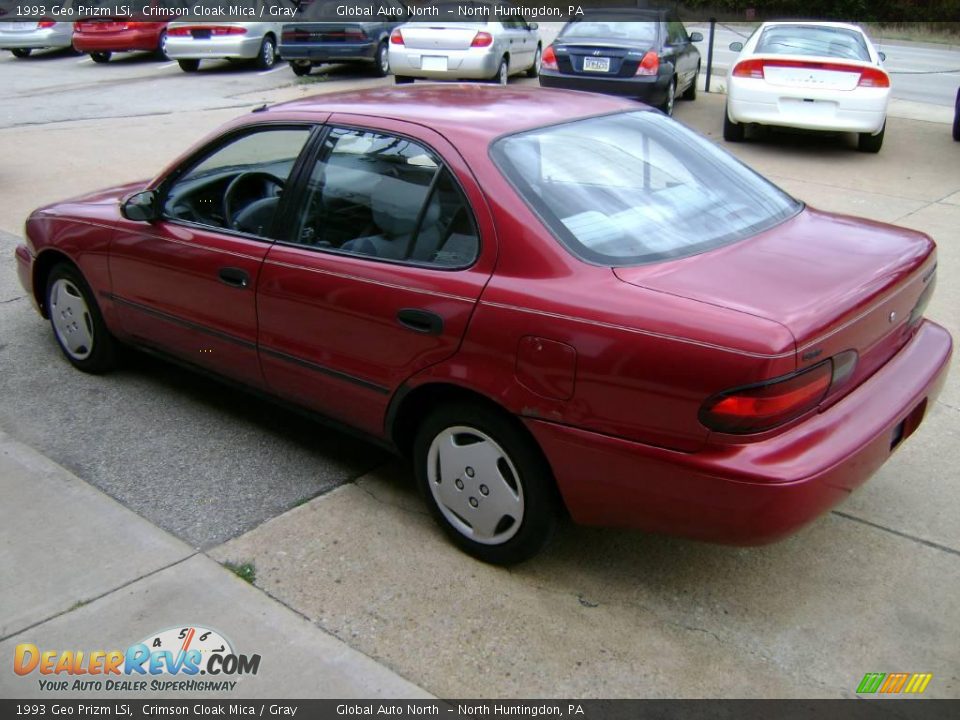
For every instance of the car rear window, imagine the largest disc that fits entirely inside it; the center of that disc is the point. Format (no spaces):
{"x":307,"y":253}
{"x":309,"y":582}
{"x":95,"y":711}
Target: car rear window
{"x":644,"y":32}
{"x":810,"y":40}
{"x":638,"y":187}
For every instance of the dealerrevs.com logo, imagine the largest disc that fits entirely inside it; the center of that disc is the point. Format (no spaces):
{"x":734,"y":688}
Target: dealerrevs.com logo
{"x":170,"y":660}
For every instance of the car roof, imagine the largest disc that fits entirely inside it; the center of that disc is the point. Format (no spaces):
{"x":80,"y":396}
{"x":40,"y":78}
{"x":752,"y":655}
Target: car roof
{"x":462,"y":109}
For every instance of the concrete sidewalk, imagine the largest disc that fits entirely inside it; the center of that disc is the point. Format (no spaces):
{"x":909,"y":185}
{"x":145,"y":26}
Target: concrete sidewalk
{"x":81,"y":572}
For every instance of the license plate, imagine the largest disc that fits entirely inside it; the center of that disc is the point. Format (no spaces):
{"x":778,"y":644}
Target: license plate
{"x":200,"y":34}
{"x":596,"y":64}
{"x":435,"y":63}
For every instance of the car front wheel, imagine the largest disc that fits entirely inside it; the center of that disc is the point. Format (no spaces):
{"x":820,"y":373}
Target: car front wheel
{"x":486,"y":482}
{"x":77,"y":323}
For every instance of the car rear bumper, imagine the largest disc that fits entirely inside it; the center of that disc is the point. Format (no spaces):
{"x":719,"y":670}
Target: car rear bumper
{"x":330,"y":52}
{"x":35,"y":39}
{"x":230,"y":46}
{"x":121,"y":41}
{"x":471,"y":64}
{"x":649,"y":89}
{"x":755,"y":101}
{"x":756,"y":492}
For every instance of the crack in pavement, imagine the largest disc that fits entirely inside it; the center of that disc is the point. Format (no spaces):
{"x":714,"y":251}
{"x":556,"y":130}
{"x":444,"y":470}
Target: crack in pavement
{"x":12,"y":300}
{"x":898,"y":533}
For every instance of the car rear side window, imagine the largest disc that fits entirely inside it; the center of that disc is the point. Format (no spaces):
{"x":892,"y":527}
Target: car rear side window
{"x":386,"y":197}
{"x":812,"y":40}
{"x":638,"y":187}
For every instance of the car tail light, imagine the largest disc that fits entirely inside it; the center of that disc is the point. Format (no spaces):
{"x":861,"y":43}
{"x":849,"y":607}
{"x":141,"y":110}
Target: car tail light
{"x":228,"y":30}
{"x":749,"y":68}
{"x":45,"y":24}
{"x":766,"y":405}
{"x":178,"y":32}
{"x":396,"y":37}
{"x":874,"y":77}
{"x":650,"y":65}
{"x":548,"y":60}
{"x":482,"y":39}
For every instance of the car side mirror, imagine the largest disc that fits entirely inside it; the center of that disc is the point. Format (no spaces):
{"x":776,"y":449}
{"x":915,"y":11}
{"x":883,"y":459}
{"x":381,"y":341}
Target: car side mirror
{"x":141,"y":207}
{"x":883,"y":56}
{"x":736,"y":46}
{"x":696,"y":37}
{"x":534,"y":26}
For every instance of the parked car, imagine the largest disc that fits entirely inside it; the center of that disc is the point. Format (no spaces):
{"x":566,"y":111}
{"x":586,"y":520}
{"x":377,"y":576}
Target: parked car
{"x":459,"y":50}
{"x":650,"y":58}
{"x":548,"y":299}
{"x":307,"y":42}
{"x":22,"y":38}
{"x":812,"y":76}
{"x":956,"y":118}
{"x":188,"y":42}
{"x":102,"y":37}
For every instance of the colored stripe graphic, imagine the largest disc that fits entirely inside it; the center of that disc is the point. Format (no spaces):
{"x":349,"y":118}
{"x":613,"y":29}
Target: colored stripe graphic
{"x":918,"y":683}
{"x":870,"y":683}
{"x":893,"y":683}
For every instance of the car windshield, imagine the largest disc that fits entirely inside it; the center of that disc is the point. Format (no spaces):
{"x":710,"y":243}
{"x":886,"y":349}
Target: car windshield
{"x":812,"y":40}
{"x":638,"y":187}
{"x":644,"y":32}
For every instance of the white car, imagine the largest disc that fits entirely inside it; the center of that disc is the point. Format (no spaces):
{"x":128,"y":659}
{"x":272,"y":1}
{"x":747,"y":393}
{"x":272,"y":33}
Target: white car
{"x":808,"y":75}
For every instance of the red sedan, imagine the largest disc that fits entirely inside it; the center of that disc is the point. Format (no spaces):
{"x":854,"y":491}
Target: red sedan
{"x":552,"y":301}
{"x":102,"y":38}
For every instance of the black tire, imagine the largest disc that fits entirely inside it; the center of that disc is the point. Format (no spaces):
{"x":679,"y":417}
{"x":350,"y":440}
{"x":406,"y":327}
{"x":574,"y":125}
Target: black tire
{"x":267,"y":55}
{"x":21,"y":52}
{"x":300,"y":69}
{"x":402,"y":80}
{"x":691,"y":92}
{"x":502,"y":76}
{"x":162,"y":46}
{"x":520,"y":470}
{"x":101,"y":57}
{"x":534,"y":69}
{"x":956,"y":119}
{"x":68,"y":284}
{"x":871,"y":143}
{"x":381,"y":64}
{"x":732,"y":132}
{"x":666,"y":107}
{"x":189,"y":65}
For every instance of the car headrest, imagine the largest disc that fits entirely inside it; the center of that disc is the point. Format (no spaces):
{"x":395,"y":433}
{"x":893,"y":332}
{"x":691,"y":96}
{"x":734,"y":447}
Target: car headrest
{"x":396,"y":204}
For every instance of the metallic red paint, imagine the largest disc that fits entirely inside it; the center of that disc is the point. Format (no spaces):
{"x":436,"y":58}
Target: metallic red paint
{"x":117,"y":36}
{"x":633,"y":352}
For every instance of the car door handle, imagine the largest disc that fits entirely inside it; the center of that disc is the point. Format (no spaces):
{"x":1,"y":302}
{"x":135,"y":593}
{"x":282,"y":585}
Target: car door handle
{"x":421,"y":321}
{"x":234,"y":277}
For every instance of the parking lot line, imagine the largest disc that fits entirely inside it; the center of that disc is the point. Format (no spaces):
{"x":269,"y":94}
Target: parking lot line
{"x":85,"y":60}
{"x":165,"y":65}
{"x":273,"y":69}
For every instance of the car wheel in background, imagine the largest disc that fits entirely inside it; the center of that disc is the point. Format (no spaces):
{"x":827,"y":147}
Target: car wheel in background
{"x":486,"y":482}
{"x":535,"y":68}
{"x":402,"y":80}
{"x":301,"y":67}
{"x":732,"y":132}
{"x":381,"y":65}
{"x":956,"y":119}
{"x":667,"y":106}
{"x":871,"y":143}
{"x":189,"y":65}
{"x":691,"y":92}
{"x":21,"y":52}
{"x":162,"y":46}
{"x":77,"y":323}
{"x":268,"y":53}
{"x":100,"y":57}
{"x":503,"y":72}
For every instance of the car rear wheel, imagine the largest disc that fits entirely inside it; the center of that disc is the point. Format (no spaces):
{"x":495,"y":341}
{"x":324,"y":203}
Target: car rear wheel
{"x":732,"y":132}
{"x":956,"y":119}
{"x":381,"y":65}
{"x":486,"y":482}
{"x":503,"y":72}
{"x":871,"y":143}
{"x":189,"y":65}
{"x":77,"y":323}
{"x":691,"y":92}
{"x":671,"y":99}
{"x":21,"y":52}
{"x":402,"y":80}
{"x":535,"y":68}
{"x":162,"y":46}
{"x":100,"y":57}
{"x":268,"y":53}
{"x":300,"y":68}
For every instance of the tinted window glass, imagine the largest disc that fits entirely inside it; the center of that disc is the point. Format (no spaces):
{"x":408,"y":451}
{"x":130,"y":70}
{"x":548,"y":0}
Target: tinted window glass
{"x":386,"y":197}
{"x":634,"y":31}
{"x":638,"y":187}
{"x":238,"y":187}
{"x":807,"y":40}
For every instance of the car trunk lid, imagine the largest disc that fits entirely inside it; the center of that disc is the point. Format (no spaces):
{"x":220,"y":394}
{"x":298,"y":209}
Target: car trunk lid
{"x":323,"y":32}
{"x":439,"y":36}
{"x":597,"y":57}
{"x":836,"y":283}
{"x":809,"y":73}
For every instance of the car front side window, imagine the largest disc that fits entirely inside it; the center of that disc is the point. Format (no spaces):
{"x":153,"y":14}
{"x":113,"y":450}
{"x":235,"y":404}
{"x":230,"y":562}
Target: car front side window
{"x":239,"y":185}
{"x":386,"y":197}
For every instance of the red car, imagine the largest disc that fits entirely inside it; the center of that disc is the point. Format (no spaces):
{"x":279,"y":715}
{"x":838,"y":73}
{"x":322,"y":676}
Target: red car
{"x":102,"y":38}
{"x":552,"y":301}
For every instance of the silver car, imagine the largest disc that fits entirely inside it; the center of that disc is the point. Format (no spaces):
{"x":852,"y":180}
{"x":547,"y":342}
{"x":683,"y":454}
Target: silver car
{"x":190,"y":42}
{"x":22,"y":38}
{"x":492,"y":50}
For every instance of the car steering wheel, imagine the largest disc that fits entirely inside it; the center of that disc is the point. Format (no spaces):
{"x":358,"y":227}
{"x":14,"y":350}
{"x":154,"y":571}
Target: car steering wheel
{"x":268,"y":181}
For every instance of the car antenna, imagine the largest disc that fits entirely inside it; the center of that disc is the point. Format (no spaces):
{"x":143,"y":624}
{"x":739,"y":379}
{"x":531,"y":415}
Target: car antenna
{"x":261,"y":108}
